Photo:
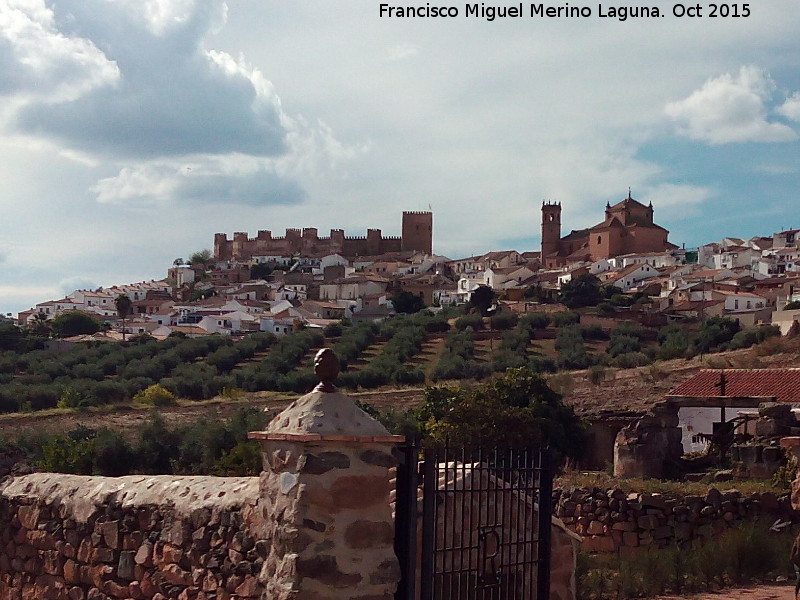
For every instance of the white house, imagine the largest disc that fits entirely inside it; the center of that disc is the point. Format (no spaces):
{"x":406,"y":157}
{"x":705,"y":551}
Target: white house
{"x":273,"y":323}
{"x":659,"y":260}
{"x":500,"y":278}
{"x":351,"y":288}
{"x":741,"y":301}
{"x":735,"y":257}
{"x":630,"y":276}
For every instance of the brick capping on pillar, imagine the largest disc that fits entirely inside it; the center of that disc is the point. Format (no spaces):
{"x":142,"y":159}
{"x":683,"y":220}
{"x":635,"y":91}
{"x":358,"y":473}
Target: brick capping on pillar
{"x":325,"y":490}
{"x":316,"y":437}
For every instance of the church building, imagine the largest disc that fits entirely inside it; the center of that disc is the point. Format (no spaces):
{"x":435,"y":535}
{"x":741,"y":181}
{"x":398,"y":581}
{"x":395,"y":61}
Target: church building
{"x":628,"y":228}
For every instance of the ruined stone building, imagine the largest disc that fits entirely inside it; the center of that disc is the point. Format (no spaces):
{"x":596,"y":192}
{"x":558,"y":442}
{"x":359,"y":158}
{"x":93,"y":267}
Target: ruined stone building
{"x":417,"y":236}
{"x":628,"y":228}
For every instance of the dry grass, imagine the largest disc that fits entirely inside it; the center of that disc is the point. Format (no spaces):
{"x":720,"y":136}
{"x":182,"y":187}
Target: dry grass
{"x":599,"y":479}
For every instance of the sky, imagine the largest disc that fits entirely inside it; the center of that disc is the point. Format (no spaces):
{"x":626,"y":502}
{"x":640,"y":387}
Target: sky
{"x":131,"y":131}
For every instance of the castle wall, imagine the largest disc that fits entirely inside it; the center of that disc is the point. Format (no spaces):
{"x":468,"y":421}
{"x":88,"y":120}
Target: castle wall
{"x":417,"y":236}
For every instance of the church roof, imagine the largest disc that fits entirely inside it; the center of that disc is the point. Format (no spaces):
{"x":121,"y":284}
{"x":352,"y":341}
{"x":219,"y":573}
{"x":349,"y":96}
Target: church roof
{"x":626,"y":203}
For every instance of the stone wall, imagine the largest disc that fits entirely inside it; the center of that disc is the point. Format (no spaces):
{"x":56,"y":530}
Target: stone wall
{"x":651,"y":447}
{"x":142,"y":537}
{"x":615,"y":521}
{"x":96,"y":538}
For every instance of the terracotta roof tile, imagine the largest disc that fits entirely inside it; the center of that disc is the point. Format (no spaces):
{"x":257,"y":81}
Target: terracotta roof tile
{"x":782,"y":383}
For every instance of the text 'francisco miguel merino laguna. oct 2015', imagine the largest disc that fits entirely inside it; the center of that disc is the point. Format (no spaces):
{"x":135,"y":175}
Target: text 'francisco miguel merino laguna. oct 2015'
{"x":547,"y":11}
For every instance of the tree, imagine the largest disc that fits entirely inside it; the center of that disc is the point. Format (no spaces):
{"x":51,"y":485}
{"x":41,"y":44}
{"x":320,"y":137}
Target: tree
{"x":408,"y":303}
{"x":202,"y":257}
{"x":74,"y":322}
{"x":482,"y":299}
{"x":516,"y":409}
{"x":38,"y":325}
{"x":124,"y":308}
{"x":583,"y":290}
{"x":10,"y":335}
{"x":260,"y":271}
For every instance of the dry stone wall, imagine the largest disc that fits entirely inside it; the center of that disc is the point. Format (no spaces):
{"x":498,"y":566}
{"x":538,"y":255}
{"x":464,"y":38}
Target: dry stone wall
{"x":615,"y":521}
{"x":69,"y":537}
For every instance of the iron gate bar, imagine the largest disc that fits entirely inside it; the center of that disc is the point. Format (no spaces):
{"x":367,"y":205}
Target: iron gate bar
{"x":405,"y":541}
{"x":545,"y":511}
{"x":429,"y":485}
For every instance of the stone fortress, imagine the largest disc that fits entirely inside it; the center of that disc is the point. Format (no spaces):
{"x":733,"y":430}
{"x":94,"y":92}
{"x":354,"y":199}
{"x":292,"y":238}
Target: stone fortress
{"x":417,"y":236}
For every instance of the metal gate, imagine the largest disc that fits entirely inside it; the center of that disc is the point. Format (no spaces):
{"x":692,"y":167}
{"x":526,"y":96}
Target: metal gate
{"x":484,"y":519}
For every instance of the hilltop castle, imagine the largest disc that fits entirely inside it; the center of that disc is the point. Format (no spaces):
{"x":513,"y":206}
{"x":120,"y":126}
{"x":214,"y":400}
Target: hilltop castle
{"x":417,"y":236}
{"x":628,"y":227}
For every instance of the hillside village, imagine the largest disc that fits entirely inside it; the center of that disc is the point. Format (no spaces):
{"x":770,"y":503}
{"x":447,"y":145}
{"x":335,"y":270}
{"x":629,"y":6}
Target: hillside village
{"x":616,"y":316}
{"x":275,"y":284}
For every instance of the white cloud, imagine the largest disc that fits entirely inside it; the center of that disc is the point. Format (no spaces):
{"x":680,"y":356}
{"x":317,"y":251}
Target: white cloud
{"x":677,"y":202}
{"x":21,"y":297}
{"x":730,"y":109}
{"x":153,"y":101}
{"x":402,"y":51}
{"x":40,"y":63}
{"x":234,"y":179}
{"x":70,"y":284}
{"x":791,"y":108}
{"x":153,"y":90}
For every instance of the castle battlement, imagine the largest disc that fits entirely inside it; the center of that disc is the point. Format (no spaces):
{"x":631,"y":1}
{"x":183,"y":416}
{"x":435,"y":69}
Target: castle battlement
{"x":417,"y":236}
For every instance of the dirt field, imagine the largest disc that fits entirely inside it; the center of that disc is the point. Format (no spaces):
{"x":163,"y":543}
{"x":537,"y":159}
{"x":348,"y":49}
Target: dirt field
{"x":761,"y":592}
{"x":12,"y":426}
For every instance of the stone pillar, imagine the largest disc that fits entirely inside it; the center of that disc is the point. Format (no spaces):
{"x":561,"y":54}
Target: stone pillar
{"x":325,"y":487}
{"x":792,"y":445}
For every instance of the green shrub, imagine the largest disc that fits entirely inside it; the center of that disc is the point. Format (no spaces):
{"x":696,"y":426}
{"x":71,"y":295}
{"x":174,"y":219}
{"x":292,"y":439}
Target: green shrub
{"x":473,"y":321}
{"x":571,"y":349}
{"x":504,"y":320}
{"x":567,"y":317}
{"x":597,"y":374}
{"x":594,"y":332}
{"x":630,"y":360}
{"x":332,"y":330}
{"x":605,"y":308}
{"x":532,"y":321}
{"x":113,"y":455}
{"x":243,"y":460}
{"x":156,"y":395}
{"x":71,"y":453}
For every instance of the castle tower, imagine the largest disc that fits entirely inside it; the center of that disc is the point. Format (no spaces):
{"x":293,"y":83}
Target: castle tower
{"x":240,"y":245}
{"x":417,"y":235}
{"x":551,"y":228}
{"x":222,"y":247}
